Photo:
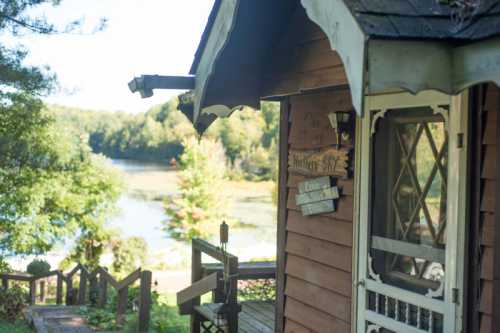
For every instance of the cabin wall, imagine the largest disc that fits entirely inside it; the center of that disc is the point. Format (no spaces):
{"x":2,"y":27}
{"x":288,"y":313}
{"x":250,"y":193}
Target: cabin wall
{"x":314,"y":253}
{"x":317,"y":250}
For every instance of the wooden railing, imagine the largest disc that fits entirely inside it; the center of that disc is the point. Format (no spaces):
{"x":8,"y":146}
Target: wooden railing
{"x":224,"y":290}
{"x":32,"y":280}
{"x":93,"y":289}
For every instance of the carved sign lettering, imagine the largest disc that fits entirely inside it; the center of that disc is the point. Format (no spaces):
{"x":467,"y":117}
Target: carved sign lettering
{"x":326,"y":162}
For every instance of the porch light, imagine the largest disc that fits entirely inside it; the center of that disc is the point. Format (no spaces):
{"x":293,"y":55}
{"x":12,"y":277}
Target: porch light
{"x":340,"y":122}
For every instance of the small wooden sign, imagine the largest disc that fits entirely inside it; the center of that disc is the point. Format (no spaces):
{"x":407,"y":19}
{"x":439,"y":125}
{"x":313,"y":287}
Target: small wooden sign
{"x":316,"y":196}
{"x":321,"y":195}
{"x":316,"y":208}
{"x":317,"y":184}
{"x":325,"y":162}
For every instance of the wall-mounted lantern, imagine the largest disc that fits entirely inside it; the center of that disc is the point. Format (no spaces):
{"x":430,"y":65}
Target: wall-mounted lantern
{"x":341,"y":123}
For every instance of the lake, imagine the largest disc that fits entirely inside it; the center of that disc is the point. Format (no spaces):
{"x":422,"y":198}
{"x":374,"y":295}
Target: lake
{"x":141,"y":214}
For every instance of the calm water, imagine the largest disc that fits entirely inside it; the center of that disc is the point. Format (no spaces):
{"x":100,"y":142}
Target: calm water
{"x":139,"y":217}
{"x":143,"y":218}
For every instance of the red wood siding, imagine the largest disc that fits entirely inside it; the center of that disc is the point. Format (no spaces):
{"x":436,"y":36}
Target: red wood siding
{"x":318,"y":249}
{"x":487,"y":226}
{"x":302,"y":60}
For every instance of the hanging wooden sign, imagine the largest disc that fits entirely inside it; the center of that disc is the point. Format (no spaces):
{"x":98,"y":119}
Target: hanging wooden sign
{"x":317,"y":196}
{"x":321,"y":195}
{"x":325,"y":162}
{"x":321,"y":207}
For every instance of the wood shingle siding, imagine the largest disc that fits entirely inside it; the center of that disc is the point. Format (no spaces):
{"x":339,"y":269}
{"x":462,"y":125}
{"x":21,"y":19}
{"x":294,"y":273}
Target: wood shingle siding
{"x":302,"y":60}
{"x":487,"y":184}
{"x":316,"y":277}
{"x":318,"y":249}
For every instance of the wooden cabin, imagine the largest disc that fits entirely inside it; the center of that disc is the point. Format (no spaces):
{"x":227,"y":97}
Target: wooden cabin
{"x":389,"y":147}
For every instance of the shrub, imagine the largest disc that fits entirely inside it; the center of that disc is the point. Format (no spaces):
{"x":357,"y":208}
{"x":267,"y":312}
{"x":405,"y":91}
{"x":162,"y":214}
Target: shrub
{"x":38,"y":267}
{"x":4,"y":267}
{"x":16,"y":327}
{"x":258,"y":290}
{"x":200,"y":207}
{"x":129,"y":254}
{"x":12,"y":303}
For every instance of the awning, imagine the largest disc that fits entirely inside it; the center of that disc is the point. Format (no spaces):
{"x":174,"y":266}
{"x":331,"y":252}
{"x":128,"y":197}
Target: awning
{"x":384,"y":46}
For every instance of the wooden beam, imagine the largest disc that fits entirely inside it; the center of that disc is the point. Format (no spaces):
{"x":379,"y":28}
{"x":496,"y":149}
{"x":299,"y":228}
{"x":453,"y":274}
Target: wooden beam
{"x":16,"y":277}
{"x":211,"y":250}
{"x":104,"y":274}
{"x":246,"y":270}
{"x":197,"y":289}
{"x":496,"y":244}
{"x":147,"y":83}
{"x":134,"y":276}
{"x":282,"y":214}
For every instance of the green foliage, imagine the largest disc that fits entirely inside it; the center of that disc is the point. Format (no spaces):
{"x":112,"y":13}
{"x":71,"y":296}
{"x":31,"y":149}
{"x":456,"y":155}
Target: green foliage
{"x":164,"y":319}
{"x":257,"y":290}
{"x":99,"y":319}
{"x":12,"y":303}
{"x":17,"y":327}
{"x":38,"y":267}
{"x":249,"y":138}
{"x":129,"y":254}
{"x":199,"y":208}
{"x":4,"y":266}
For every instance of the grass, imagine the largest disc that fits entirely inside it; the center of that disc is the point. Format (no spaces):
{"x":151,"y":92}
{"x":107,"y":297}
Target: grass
{"x":17,"y":327}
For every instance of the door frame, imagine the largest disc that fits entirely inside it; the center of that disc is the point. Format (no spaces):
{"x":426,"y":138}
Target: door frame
{"x":457,"y":122}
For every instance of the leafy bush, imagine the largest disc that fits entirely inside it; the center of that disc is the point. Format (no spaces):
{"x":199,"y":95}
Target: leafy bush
{"x":12,"y":303}
{"x":38,"y":267}
{"x":164,"y":319}
{"x":128,"y":254}
{"x":4,"y":266}
{"x":200,"y":207}
{"x":257,"y":290}
{"x":16,"y":327}
{"x":100,"y":319}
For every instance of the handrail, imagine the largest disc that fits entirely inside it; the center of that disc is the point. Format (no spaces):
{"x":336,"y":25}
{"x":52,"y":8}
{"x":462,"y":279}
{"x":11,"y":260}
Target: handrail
{"x":198,"y":289}
{"x":226,"y":290}
{"x":98,"y":279}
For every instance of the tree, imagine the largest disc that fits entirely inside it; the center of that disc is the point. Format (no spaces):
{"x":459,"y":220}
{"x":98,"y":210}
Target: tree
{"x":199,"y":209}
{"x":51,"y":185}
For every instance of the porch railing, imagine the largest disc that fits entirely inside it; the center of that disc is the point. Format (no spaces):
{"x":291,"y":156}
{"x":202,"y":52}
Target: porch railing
{"x":93,"y":289}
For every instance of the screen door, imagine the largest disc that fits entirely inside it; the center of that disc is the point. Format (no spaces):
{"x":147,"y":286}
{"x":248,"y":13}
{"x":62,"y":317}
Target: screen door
{"x":410,"y":236}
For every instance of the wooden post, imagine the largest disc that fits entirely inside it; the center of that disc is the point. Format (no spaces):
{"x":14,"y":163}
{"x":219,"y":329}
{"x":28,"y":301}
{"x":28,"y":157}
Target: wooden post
{"x":145,"y":301}
{"x":69,"y":291}
{"x":218,"y":294}
{"x":122,"y":306}
{"x":32,"y":292}
{"x":5,"y":283}
{"x":282,"y":214}
{"x":234,"y":309}
{"x":93,"y":290}
{"x":82,"y":291}
{"x":42,"y":294}
{"x":103,"y":291}
{"x":195,"y":276}
{"x":59,"y":288}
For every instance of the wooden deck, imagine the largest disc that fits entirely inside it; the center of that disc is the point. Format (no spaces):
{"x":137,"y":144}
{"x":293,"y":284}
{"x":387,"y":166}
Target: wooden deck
{"x":255,"y":316}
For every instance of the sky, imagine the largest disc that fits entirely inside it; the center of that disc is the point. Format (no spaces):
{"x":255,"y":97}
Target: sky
{"x":142,"y":37}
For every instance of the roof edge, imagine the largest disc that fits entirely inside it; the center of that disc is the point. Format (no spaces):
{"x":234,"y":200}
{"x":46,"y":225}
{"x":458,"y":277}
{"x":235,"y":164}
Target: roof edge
{"x":204,"y":37}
